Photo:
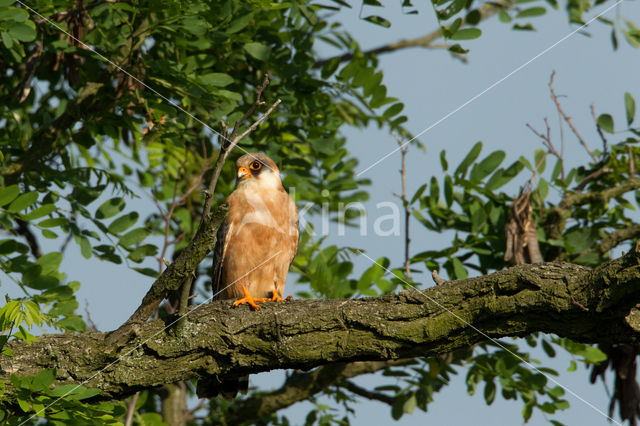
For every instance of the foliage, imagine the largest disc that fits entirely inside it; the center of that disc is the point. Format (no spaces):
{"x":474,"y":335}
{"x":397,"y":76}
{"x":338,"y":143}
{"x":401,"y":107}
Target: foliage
{"x":113,"y":101}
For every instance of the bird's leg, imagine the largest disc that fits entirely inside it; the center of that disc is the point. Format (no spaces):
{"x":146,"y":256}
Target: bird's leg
{"x":276,"y":298}
{"x":249,"y":299}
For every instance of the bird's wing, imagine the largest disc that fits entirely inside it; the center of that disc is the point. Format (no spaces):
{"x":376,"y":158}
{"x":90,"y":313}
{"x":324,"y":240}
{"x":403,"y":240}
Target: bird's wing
{"x":294,"y":231}
{"x":222,"y":241}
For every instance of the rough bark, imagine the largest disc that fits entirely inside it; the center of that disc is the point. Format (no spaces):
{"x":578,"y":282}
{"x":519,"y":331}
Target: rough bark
{"x":593,"y":306}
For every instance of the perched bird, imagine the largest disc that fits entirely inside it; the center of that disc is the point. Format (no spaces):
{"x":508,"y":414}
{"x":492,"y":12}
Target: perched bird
{"x":255,"y":247}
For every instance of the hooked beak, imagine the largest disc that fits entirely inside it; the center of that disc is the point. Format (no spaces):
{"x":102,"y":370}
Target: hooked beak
{"x":243,"y":173}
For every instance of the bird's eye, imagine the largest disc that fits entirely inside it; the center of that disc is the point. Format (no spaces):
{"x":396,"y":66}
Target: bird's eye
{"x":255,"y":165}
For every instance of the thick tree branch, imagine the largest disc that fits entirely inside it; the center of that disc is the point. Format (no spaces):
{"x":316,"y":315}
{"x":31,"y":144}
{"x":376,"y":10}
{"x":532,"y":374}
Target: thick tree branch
{"x":218,"y":340}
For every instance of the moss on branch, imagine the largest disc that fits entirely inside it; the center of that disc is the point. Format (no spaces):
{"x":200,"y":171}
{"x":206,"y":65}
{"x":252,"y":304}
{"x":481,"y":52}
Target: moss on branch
{"x":593,"y":306}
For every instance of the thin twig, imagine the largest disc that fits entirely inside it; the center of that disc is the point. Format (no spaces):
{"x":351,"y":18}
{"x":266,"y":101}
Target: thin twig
{"x":365,"y":393}
{"x":404,"y":148}
{"x":437,"y":278}
{"x":568,"y":119}
{"x":631,"y":161}
{"x":92,"y":325}
{"x":131,"y":409}
{"x":546,"y":142}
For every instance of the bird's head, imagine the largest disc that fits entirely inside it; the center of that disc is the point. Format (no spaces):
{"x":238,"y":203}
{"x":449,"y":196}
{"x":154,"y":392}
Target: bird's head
{"x":257,"y":169}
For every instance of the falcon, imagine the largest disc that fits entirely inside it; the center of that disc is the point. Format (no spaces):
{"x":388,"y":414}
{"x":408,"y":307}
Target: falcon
{"x":255,"y":246}
{"x":259,"y":237}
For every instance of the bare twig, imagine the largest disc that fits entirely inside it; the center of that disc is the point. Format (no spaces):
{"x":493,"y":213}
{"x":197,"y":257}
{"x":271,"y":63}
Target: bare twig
{"x":404,"y":148}
{"x":365,"y":393}
{"x":632,"y":171}
{"x":92,"y":325}
{"x":546,"y":142}
{"x":605,"y":145}
{"x":131,"y":409}
{"x":22,"y":229}
{"x":568,"y":119}
{"x":436,"y":278}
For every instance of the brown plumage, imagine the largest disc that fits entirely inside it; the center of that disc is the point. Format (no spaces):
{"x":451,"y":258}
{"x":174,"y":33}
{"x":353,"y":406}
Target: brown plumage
{"x":255,"y":247}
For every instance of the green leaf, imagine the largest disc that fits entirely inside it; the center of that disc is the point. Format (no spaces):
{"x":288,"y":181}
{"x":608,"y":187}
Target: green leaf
{"x":49,"y":263}
{"x":489,"y":392}
{"x":123,"y":223}
{"x":593,"y":355}
{"x":630,"y":107}
{"x":605,"y":121}
{"x":378,"y":20}
{"x":531,"y":12}
{"x":40,"y":212}
{"x":418,"y":193}
{"x":216,"y":79}
{"x":548,"y":349}
{"x":142,"y":252}
{"x":527,"y":410}
{"x":85,"y":246}
{"x":393,"y":110}
{"x":580,"y":239}
{"x":8,"y":43}
{"x":448,"y":190}
{"x":73,"y":323}
{"x":8,"y":194}
{"x":65,"y":307}
{"x":23,"y":31}
{"x":23,"y":201}
{"x":257,"y":50}
{"x":147,"y":271}
{"x":443,"y":161}
{"x":504,"y":17}
{"x":458,"y":269}
{"x":9,"y":246}
{"x":330,"y":67}
{"x":54,"y":221}
{"x":456,"y":48}
{"x":466,"y":34}
{"x":410,"y":404}
{"x":486,"y":166}
{"x":13,"y":14}
{"x":470,"y":158}
{"x":372,"y":274}
{"x":110,"y":208}
{"x":43,"y":380}
{"x":133,"y":237}
{"x":24,"y":405}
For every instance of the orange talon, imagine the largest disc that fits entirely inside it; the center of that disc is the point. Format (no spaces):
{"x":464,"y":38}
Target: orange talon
{"x":248,"y":299}
{"x":276,"y":298}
